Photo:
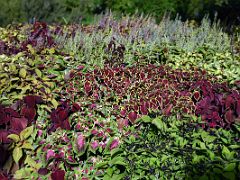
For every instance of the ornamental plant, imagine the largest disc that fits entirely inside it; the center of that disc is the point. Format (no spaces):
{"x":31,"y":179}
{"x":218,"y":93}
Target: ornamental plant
{"x":164,"y":147}
{"x":136,"y":91}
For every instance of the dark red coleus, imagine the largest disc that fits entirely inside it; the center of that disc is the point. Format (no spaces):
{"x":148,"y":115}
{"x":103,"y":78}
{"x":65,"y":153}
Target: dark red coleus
{"x":58,"y":175}
{"x":29,"y":107}
{"x":238,"y":108}
{"x":196,"y":95}
{"x":143,"y":108}
{"x":167,"y":110}
{"x":18,"y":124}
{"x":3,"y":175}
{"x":87,"y":87}
{"x":43,"y":171}
{"x":132,"y":116}
{"x":139,"y":90}
{"x":229,"y":116}
{"x":60,"y":116}
{"x":14,"y":122}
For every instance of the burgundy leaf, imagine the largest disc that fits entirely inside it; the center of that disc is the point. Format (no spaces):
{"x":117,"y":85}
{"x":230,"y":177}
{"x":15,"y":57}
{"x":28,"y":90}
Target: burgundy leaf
{"x":132,"y":116}
{"x":229,"y":102}
{"x":3,"y":176}
{"x":43,"y":171}
{"x":229,"y":116}
{"x":12,"y":112}
{"x":123,"y":113}
{"x":31,"y":101}
{"x":212,"y":124}
{"x":144,"y":109}
{"x":76,"y":107}
{"x":58,"y":175}
{"x":122,"y":123}
{"x":66,"y":125}
{"x":238,"y":108}
{"x":59,"y":115}
{"x":87,"y":87}
{"x":3,"y":137}
{"x":167,"y":110}
{"x":196,"y":95}
{"x":29,"y":113}
{"x":18,"y":124}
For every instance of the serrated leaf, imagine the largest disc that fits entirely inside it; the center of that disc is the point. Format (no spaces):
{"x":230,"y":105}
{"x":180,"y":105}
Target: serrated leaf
{"x":14,"y":137}
{"x":26,"y":133}
{"x":230,"y":167}
{"x":23,"y":173}
{"x":234,"y":146}
{"x":202,"y":145}
{"x":27,"y":145}
{"x":38,"y":72}
{"x":229,"y":175}
{"x":54,"y":103}
{"x":115,"y":151}
{"x":118,"y":161}
{"x":51,"y":51}
{"x":211,"y":155}
{"x":107,"y":177}
{"x":30,"y":48}
{"x":17,"y":154}
{"x":159,"y":123}
{"x":101,"y":164}
{"x":30,"y":161}
{"x":206,"y":137}
{"x":145,"y":119}
{"x":226,"y":153}
{"x":22,"y":73}
{"x":110,"y":171}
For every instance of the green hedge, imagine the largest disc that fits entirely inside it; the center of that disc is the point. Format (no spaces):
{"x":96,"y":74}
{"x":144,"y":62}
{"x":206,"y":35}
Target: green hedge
{"x":73,"y":10}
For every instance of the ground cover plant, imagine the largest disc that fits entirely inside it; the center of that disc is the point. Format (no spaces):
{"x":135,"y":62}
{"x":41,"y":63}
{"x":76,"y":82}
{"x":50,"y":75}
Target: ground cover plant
{"x":121,"y":99}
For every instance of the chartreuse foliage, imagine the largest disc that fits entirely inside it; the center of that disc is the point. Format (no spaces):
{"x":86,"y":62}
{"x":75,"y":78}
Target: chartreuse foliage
{"x":167,"y":148}
{"x":23,"y":150}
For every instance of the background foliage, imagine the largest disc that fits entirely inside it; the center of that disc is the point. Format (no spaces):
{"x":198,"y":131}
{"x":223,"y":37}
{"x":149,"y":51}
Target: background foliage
{"x":65,"y":11}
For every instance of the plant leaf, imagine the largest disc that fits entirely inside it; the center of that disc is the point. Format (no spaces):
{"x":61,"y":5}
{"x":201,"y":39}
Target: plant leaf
{"x":14,"y":137}
{"x":230,"y":167}
{"x":26,"y":133}
{"x":27,"y":145}
{"x":54,"y":103}
{"x":22,"y":73}
{"x":38,"y":72}
{"x":23,"y":173}
{"x":17,"y":154}
{"x":118,"y":161}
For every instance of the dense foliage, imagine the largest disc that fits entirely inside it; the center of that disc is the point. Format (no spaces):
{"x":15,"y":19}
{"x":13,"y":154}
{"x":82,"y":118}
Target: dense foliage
{"x":121,"y":99}
{"x":65,"y":11}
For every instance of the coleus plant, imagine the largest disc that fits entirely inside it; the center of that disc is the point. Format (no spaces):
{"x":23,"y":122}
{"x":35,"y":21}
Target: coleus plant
{"x":39,"y":38}
{"x":135,"y":91}
{"x":15,"y":119}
